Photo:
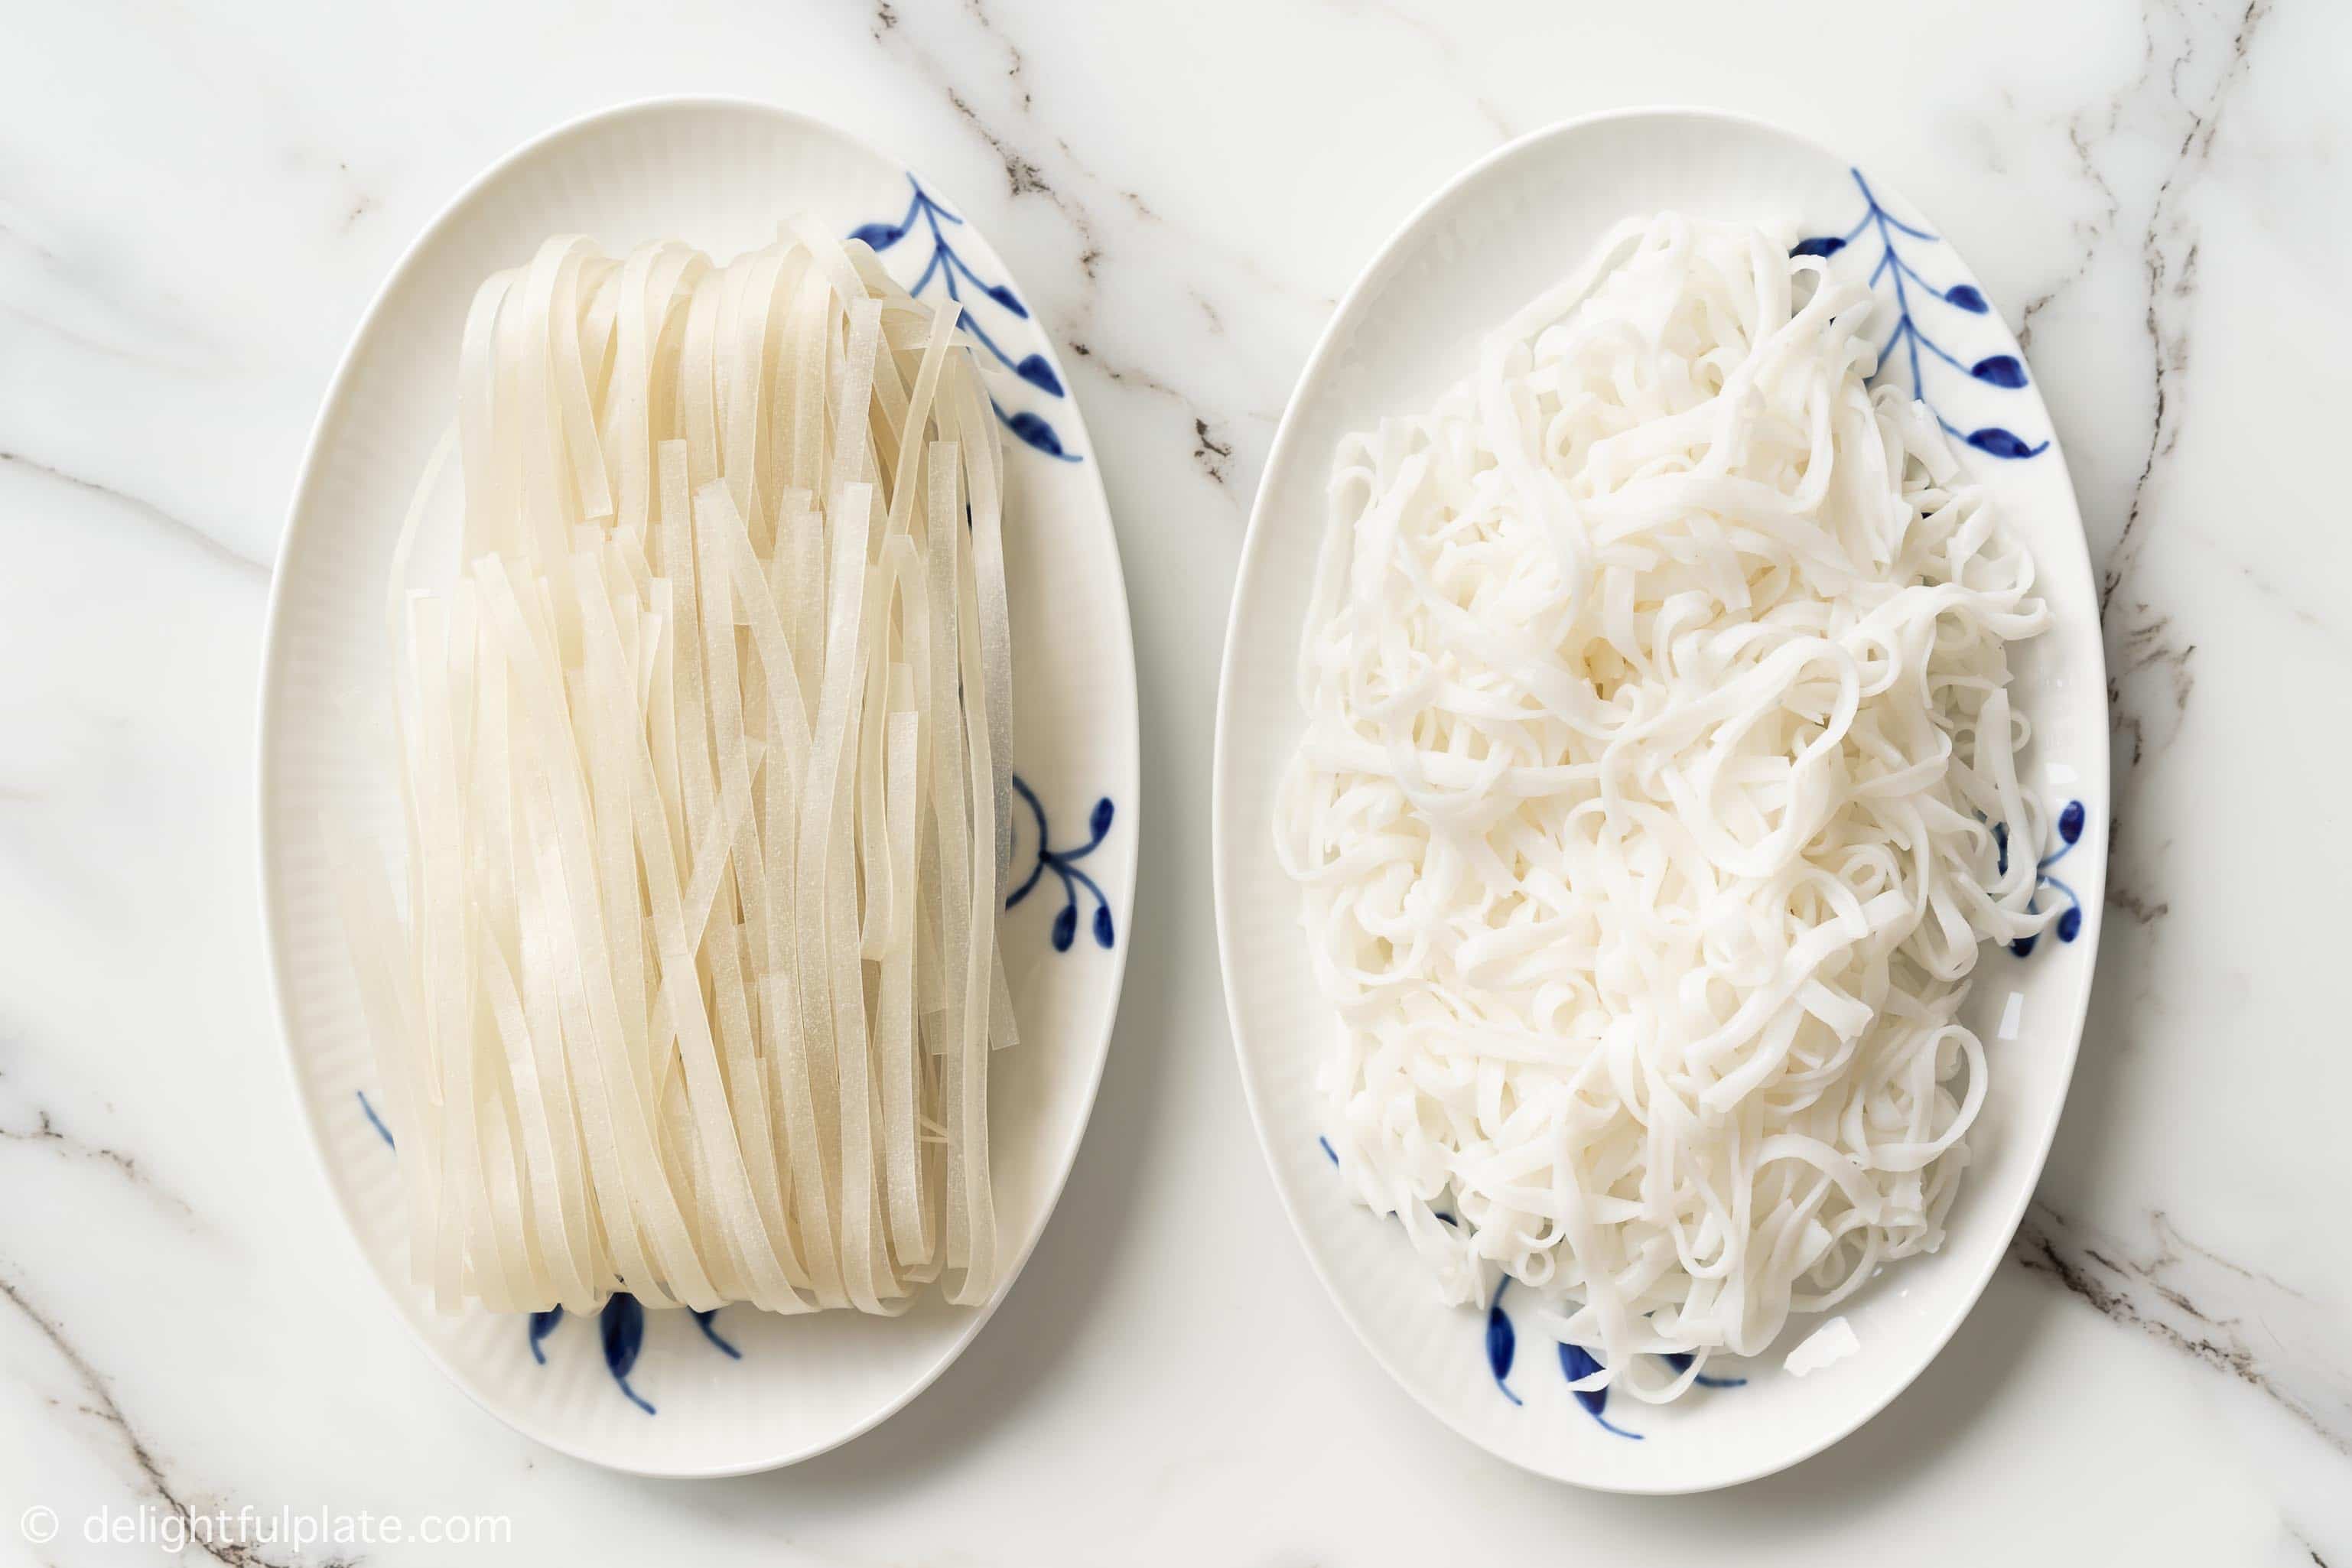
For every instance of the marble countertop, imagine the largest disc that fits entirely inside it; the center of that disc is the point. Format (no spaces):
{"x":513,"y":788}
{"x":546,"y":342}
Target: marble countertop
{"x":196,"y":205}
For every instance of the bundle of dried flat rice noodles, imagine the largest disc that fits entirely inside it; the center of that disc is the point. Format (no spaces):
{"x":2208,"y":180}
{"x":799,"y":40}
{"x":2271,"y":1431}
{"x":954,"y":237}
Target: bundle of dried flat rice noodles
{"x":705,"y":761}
{"x":1654,"y":803}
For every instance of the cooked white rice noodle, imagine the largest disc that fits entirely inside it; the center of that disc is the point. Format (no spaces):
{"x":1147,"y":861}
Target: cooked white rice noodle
{"x":1653,"y":805}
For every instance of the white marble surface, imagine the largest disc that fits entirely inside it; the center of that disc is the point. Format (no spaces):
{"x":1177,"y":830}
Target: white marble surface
{"x":195,"y":206}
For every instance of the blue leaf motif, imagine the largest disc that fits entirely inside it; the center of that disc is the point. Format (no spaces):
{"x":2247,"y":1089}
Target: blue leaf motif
{"x":541,"y":1325}
{"x":1575,"y":1363}
{"x":879,"y":235}
{"x":1502,"y":1342}
{"x":1104,"y":935}
{"x":1004,"y":295}
{"x":2070,"y":924}
{"x":622,"y":1323}
{"x":1035,"y":431}
{"x":2001,"y":443}
{"x":1033,"y":370}
{"x":1911,"y":344}
{"x":1099,"y":824}
{"x":2069,"y":822}
{"x":1066,"y":928}
{"x":702,"y":1320}
{"x":1999,"y":370}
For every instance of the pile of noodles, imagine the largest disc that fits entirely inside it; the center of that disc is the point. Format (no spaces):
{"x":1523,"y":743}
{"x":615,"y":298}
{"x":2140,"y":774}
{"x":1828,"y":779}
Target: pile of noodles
{"x":1654,"y":801}
{"x":705,"y":756}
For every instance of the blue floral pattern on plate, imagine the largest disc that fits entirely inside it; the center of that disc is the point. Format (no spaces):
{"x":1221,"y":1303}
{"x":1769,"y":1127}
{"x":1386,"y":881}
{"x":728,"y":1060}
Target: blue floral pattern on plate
{"x":621,"y":1330}
{"x":2006,"y":372}
{"x":956,"y":276}
{"x":2072,"y":820}
{"x":1063,"y":864}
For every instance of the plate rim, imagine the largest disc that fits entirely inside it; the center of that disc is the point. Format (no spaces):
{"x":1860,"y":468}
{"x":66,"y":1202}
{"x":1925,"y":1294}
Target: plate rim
{"x":2097,"y":751}
{"x":269,"y":718}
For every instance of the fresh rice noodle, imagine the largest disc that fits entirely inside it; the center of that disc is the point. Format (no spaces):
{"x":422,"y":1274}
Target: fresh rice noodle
{"x":1653,"y":805}
{"x":703,"y":759}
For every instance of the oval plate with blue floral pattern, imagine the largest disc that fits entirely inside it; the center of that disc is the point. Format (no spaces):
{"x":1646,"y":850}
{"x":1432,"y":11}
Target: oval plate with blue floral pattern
{"x":676,"y":1392}
{"x":1498,"y":233}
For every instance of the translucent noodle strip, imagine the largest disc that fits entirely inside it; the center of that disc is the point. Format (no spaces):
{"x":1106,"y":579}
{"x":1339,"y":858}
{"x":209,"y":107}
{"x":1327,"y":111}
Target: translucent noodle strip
{"x":492,"y":456}
{"x":895,"y":1064}
{"x":970,"y":1108}
{"x":527,"y":385}
{"x":696,"y":387}
{"x":592,"y":488}
{"x":993,"y":678}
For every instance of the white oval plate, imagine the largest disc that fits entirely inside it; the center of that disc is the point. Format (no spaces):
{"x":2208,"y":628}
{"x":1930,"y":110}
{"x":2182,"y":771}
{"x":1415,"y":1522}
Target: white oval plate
{"x":1497,"y":235}
{"x":720,"y":173}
